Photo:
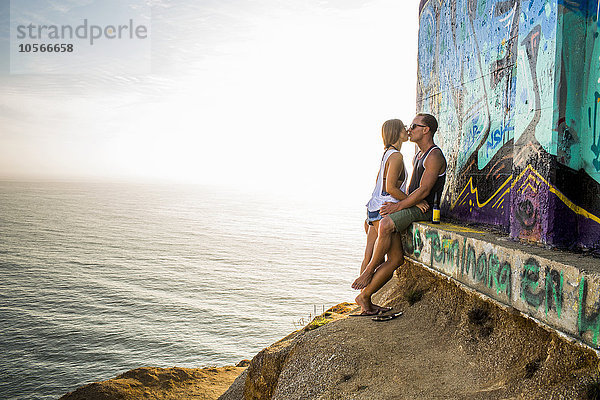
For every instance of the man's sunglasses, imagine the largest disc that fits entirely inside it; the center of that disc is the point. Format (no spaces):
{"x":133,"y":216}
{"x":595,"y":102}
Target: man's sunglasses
{"x":413,"y":126}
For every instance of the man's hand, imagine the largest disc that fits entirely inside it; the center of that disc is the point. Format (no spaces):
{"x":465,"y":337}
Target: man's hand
{"x":423,"y":206}
{"x":388,"y":208}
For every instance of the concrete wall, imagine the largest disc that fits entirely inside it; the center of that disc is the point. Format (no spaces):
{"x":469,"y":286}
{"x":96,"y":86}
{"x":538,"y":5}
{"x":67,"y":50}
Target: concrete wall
{"x":562,"y":292}
{"x":515,"y":86}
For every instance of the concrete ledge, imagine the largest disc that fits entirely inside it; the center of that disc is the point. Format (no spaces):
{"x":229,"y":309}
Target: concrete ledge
{"x":559,"y":289}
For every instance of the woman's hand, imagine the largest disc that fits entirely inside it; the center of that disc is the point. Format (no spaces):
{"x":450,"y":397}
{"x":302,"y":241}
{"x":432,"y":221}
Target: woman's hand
{"x":423,"y":206}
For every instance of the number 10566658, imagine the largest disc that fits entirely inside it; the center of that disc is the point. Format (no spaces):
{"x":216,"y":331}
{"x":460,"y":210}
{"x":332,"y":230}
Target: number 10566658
{"x":45,"y":48}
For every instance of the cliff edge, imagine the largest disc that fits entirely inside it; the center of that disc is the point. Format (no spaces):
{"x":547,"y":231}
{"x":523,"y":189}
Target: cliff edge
{"x":449,"y":344}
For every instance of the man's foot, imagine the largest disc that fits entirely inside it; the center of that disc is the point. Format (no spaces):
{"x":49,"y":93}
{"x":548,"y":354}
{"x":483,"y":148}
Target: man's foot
{"x":382,"y":309}
{"x":365,"y":305}
{"x":363,"y":280}
{"x":366,"y":314}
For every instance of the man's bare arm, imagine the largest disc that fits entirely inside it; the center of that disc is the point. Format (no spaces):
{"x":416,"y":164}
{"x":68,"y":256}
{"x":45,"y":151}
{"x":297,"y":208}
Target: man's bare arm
{"x":435,"y":164}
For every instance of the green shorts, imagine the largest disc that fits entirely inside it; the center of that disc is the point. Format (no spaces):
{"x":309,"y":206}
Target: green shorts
{"x":403,"y":218}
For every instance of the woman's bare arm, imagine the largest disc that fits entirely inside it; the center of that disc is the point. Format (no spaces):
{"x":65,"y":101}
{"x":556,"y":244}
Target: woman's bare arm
{"x":394,"y":170}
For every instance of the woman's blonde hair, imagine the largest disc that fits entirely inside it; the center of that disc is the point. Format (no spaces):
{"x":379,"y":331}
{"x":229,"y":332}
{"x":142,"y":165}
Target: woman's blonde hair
{"x":390,"y":131}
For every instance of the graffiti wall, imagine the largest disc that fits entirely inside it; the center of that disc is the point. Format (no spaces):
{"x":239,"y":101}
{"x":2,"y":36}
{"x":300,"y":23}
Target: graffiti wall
{"x":557,"y":293}
{"x":516,"y":90}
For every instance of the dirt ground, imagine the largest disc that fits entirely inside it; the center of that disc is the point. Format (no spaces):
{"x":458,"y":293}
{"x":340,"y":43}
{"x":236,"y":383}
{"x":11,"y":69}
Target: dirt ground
{"x":449,"y":344}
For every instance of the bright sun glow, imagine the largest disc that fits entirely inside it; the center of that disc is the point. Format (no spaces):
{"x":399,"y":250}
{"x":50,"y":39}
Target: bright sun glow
{"x":275,"y":95}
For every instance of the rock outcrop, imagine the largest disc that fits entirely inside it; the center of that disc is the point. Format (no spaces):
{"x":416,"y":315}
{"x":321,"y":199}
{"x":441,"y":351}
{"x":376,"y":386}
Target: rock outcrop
{"x":449,"y":344}
{"x":161,"y":383}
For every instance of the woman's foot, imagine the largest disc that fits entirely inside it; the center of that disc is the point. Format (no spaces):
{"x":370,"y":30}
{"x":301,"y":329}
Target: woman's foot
{"x":363,"y":280}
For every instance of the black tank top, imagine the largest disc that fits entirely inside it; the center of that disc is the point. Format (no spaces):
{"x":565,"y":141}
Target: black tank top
{"x":419,"y":169}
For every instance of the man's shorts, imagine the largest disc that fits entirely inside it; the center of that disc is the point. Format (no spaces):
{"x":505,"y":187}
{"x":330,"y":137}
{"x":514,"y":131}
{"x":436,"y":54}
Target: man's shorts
{"x":403,"y":218}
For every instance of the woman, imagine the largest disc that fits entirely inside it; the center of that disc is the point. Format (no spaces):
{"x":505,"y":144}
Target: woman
{"x":391,"y":182}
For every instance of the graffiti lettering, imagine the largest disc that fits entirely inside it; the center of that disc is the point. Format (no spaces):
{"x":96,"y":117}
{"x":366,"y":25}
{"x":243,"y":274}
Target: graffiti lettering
{"x":488,"y":269}
{"x":554,"y":290}
{"x":468,"y":264}
{"x":586,"y":322}
{"x":436,"y":251}
{"x":497,"y":137}
{"x":482,"y":268}
{"x":552,"y":293}
{"x":504,"y":279}
{"x":529,"y":282}
{"x":450,"y":250}
{"x":413,"y":245}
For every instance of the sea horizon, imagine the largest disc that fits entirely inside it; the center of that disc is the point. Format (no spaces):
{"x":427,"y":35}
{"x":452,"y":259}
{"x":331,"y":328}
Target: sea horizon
{"x":100,"y":278}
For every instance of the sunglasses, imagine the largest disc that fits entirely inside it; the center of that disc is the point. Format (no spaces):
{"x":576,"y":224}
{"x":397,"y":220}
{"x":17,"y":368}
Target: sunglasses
{"x":413,"y":126}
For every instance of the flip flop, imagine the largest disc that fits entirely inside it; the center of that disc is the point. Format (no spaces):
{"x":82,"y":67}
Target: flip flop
{"x":387,"y":317}
{"x":366,"y":314}
{"x":382,"y":309}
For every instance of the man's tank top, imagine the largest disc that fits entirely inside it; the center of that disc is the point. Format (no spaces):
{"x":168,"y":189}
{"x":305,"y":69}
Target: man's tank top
{"x":379,"y":195}
{"x":419,"y":169}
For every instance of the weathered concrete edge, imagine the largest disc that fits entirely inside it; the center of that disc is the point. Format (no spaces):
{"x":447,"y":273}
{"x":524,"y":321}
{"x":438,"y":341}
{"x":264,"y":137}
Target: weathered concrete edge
{"x":555,"y":294}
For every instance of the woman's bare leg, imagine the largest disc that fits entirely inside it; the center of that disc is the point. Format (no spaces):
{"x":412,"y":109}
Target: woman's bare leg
{"x":385,"y":231}
{"x":371,"y":238}
{"x":382,"y":274}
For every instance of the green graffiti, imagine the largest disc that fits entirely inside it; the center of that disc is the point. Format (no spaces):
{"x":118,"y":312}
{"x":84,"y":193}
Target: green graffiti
{"x":470,"y":261}
{"x":483,"y":268}
{"x":450,"y":250}
{"x":463,"y":258}
{"x":418,"y":242}
{"x":480,"y":272}
{"x":530,"y":281}
{"x":504,"y":279}
{"x":584,"y":322}
{"x":494,"y":265}
{"x":445,"y":250}
{"x":554,"y":290}
{"x":436,"y":251}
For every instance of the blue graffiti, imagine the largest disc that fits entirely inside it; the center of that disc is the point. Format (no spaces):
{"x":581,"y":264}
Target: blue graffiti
{"x":595,"y":145}
{"x":497,"y":137}
{"x":472,"y":135}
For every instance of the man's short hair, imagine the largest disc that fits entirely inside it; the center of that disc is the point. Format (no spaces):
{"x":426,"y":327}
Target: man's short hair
{"x":430,"y":121}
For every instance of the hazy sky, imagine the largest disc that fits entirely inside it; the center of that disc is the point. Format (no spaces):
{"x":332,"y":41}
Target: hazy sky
{"x":266,"y":93}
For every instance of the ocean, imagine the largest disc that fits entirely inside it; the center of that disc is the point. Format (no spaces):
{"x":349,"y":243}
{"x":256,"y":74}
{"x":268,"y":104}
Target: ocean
{"x":98,"y":278}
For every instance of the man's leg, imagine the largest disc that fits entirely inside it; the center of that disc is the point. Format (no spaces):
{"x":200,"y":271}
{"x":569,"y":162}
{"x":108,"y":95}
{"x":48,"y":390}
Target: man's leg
{"x":382,"y":275}
{"x":382,"y":246}
{"x":395,"y":222}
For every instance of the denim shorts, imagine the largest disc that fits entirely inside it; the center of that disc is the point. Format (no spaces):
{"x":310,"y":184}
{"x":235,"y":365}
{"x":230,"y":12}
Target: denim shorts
{"x":373,"y":216}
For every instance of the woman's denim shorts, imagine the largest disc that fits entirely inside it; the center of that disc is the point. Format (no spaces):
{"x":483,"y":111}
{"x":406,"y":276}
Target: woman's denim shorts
{"x":373,"y":216}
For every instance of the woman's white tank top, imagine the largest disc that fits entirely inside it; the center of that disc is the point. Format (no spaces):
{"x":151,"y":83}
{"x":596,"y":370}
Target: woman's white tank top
{"x":379,"y":195}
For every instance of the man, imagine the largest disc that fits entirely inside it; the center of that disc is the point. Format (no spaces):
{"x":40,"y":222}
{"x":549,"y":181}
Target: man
{"x":427,"y":182}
